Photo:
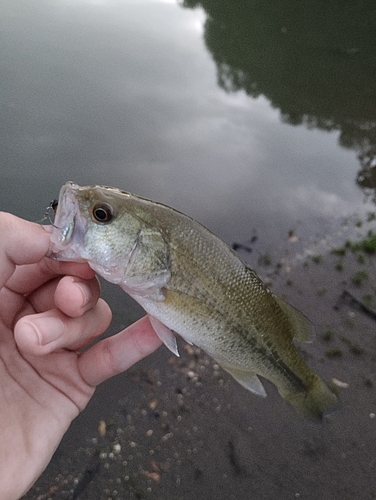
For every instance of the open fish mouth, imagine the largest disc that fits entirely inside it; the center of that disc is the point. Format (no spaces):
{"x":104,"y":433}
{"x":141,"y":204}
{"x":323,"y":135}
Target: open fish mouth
{"x":69,"y":225}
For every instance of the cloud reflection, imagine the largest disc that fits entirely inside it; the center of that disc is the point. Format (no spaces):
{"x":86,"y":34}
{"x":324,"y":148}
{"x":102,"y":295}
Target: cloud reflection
{"x":127,"y":96}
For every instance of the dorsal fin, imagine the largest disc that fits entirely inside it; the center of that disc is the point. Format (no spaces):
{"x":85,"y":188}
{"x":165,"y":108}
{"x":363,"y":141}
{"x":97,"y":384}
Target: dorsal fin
{"x":302,"y":327}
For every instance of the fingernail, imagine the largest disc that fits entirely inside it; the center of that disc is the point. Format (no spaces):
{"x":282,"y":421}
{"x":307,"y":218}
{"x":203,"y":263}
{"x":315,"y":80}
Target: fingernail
{"x":47,"y":329}
{"x":86,"y":292}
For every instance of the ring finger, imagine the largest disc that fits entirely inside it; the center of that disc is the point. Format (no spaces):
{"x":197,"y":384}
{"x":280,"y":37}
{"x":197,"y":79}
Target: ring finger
{"x":72,"y":295}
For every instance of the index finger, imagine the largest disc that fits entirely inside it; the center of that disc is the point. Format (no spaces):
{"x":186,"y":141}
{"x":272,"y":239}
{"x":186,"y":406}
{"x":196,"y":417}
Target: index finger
{"x":23,"y":242}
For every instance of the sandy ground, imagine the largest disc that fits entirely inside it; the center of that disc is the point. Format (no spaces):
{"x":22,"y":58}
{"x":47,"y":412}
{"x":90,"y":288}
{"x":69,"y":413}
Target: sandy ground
{"x":183,"y":429}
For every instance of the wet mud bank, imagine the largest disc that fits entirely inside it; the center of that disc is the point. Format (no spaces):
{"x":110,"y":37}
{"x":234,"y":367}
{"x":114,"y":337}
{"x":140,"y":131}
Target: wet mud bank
{"x":180,"y":428}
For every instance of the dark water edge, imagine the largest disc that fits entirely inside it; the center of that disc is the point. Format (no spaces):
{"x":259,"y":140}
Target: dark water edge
{"x":176,"y":429}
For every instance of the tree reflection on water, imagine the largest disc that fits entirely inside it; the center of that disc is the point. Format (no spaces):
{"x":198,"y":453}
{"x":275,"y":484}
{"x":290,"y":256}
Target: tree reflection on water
{"x":314,"y":61}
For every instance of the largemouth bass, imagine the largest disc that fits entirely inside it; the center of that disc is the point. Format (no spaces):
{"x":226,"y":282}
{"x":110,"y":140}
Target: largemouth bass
{"x":191,"y":283}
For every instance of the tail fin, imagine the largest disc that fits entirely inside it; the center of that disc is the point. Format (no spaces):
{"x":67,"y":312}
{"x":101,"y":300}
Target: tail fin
{"x":315,"y":402}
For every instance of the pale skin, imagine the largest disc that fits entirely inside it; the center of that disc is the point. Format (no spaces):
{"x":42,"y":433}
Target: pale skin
{"x":49,"y":310}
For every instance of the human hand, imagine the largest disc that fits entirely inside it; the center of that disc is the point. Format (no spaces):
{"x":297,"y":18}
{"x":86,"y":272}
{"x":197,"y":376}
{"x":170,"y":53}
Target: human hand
{"x":50,"y":310}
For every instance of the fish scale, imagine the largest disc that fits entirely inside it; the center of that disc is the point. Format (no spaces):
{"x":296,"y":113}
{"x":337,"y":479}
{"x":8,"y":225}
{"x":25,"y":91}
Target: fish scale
{"x":191,"y":283}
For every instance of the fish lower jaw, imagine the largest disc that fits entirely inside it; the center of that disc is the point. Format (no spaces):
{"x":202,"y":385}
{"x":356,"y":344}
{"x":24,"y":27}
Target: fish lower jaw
{"x":63,"y":251}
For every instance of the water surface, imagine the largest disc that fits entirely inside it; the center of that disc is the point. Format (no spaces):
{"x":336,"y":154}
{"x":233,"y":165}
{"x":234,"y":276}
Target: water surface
{"x":237,"y":115}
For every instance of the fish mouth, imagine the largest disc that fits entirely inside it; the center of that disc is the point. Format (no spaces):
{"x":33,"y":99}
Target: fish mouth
{"x":69,"y":226}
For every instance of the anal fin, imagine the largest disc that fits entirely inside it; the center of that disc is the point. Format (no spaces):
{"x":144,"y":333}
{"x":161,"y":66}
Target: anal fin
{"x":247,"y":379}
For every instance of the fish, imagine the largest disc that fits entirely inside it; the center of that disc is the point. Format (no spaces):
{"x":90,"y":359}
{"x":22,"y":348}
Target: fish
{"x":192,"y":284}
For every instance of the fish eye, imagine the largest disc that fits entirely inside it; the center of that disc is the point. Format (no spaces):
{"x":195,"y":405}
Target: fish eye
{"x":102,"y":212}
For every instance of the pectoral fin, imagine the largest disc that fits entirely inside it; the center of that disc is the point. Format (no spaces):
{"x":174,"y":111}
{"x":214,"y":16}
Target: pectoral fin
{"x":165,"y":334}
{"x":247,"y":379}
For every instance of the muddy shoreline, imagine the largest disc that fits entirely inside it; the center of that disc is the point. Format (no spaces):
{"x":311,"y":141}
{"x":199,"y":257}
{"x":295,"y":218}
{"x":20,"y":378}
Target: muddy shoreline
{"x":172,"y":429}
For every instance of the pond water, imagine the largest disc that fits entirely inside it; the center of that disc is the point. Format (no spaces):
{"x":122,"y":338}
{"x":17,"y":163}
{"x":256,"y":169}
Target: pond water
{"x":255,"y":118}
{"x":248,"y":117}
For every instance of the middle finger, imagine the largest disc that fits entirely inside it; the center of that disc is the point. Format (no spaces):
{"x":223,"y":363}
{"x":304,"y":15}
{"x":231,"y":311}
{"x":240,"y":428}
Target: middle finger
{"x":29,"y":277}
